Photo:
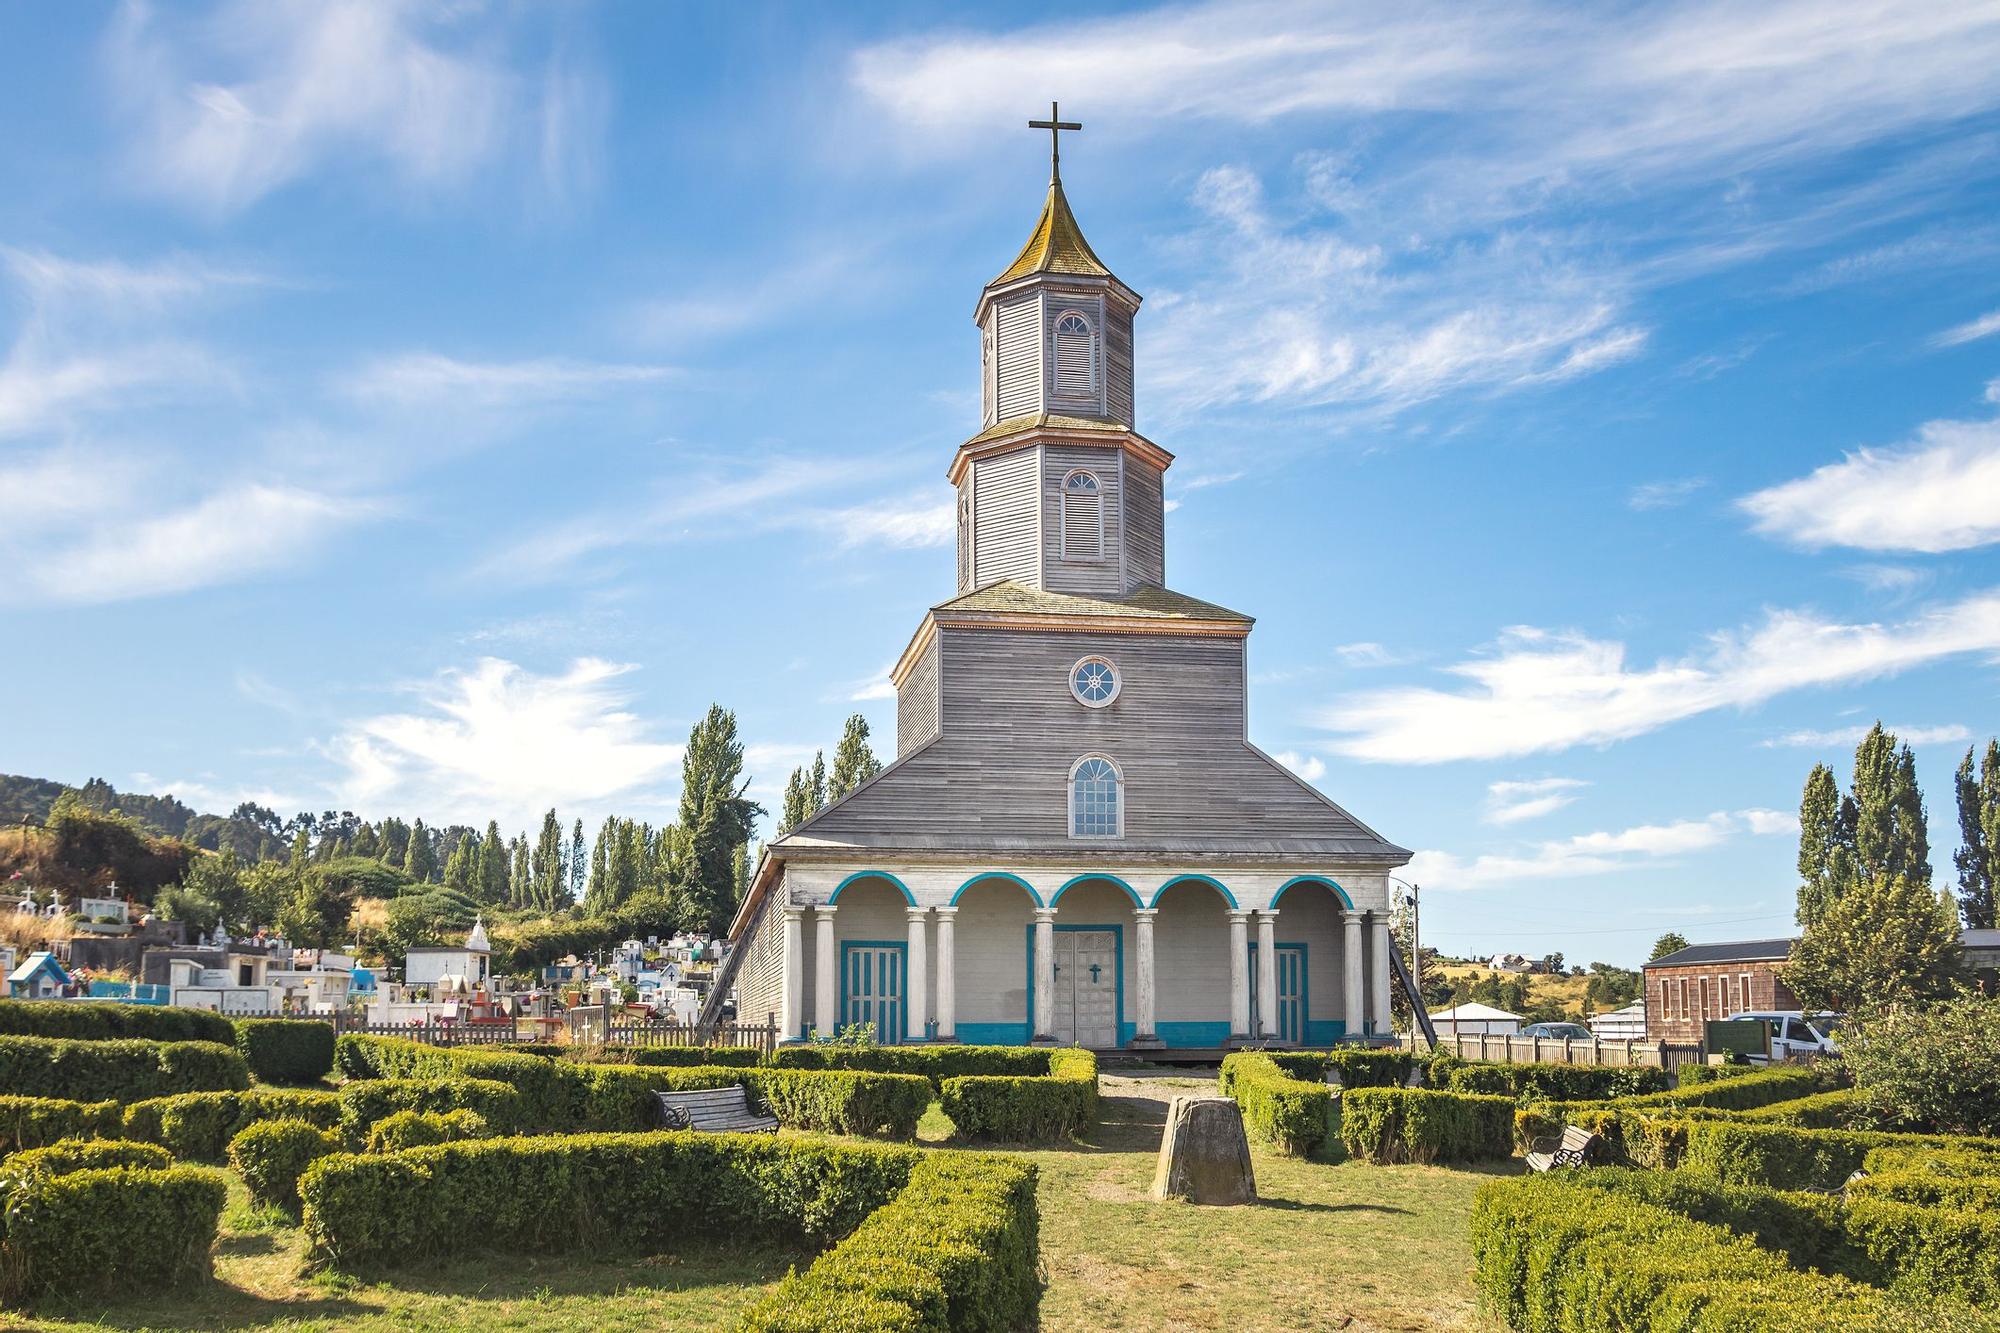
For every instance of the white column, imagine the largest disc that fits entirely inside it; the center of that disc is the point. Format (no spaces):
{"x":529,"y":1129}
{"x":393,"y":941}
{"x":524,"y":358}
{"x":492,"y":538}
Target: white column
{"x":1045,"y":974}
{"x":1267,"y":973}
{"x":947,"y":981}
{"x":914,"y":984}
{"x":795,"y":973}
{"x":1350,"y":974}
{"x":1146,"y":1036}
{"x":1378,"y":962}
{"x":826,"y":972}
{"x":1239,"y":976}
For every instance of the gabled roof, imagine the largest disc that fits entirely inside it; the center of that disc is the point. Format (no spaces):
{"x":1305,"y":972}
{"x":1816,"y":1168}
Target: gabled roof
{"x":36,"y":962}
{"x":1056,"y":245}
{"x":1473,"y":1012}
{"x":1007,"y":596}
{"x":1728,"y":951}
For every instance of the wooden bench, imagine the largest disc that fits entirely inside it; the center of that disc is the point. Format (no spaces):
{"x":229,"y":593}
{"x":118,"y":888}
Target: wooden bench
{"x":715,"y":1111}
{"x":1575,"y":1147}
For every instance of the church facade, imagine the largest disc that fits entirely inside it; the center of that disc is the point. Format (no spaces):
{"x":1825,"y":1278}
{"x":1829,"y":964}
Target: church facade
{"x":1076,"y":843}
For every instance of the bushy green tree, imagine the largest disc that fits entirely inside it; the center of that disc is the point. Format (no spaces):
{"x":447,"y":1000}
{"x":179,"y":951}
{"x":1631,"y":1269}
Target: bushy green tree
{"x":854,"y":762}
{"x":716,"y":818}
{"x":421,"y":863}
{"x":1891,"y":837}
{"x":551,"y":874}
{"x":492,"y":865}
{"x":1886,"y":941}
{"x":1932,"y":1068}
{"x":1826,"y":844}
{"x":461,"y":869}
{"x":95,"y":848}
{"x":1978,"y":857}
{"x":1671,"y":942}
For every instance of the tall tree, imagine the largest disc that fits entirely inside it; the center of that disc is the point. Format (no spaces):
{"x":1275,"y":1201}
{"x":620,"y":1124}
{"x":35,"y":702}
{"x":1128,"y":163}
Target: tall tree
{"x":625,"y":863}
{"x":1671,"y":942}
{"x":1978,"y":860}
{"x":395,"y":848}
{"x":421,"y":864}
{"x":853,"y":761}
{"x":520,"y":881}
{"x":716,"y":818}
{"x":597,"y":894}
{"x":797,"y":808}
{"x":1890,"y":835}
{"x":1826,"y":844}
{"x":461,"y":868}
{"x":1890,"y":940}
{"x":578,"y":865}
{"x":551,"y":875}
{"x":492,"y":865}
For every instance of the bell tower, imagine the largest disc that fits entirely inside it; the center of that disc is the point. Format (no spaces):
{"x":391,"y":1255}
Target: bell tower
{"x":1058,"y":491}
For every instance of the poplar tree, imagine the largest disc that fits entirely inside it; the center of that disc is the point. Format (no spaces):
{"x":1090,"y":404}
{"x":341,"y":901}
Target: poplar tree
{"x":421,"y":863}
{"x":796,"y":809}
{"x":1978,"y":860}
{"x":551,"y":876}
{"x":1826,"y":844}
{"x":853,"y":761}
{"x":492,"y":865}
{"x":716,"y":817}
{"x":461,"y":868}
{"x":1892,"y":940}
{"x":816,"y":782}
{"x":520,"y":883}
{"x":577,"y":866}
{"x":1890,"y":838}
{"x":597,"y":894}
{"x":625,"y":862}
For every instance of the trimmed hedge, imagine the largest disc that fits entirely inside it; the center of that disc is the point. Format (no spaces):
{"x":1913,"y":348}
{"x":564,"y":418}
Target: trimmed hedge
{"x":32,"y":1122}
{"x":936,"y":1063}
{"x":286,"y":1050}
{"x":1838,"y":1109}
{"x":1694,"y":1075}
{"x":118,"y":1069}
{"x":1787,"y":1158}
{"x":273,"y":1154}
{"x":1358,"y":1067}
{"x":843,"y":1101}
{"x":198,"y":1126}
{"x":956,"y":1249}
{"x":99,"y":1020}
{"x":1290,"y":1113}
{"x":1938,"y":1253}
{"x":1052,"y":1108}
{"x":1414,"y":1125}
{"x":136,"y":1229}
{"x":421,"y":1129}
{"x":1553,"y":1082}
{"x":590,"y":1192}
{"x":659,"y":1057}
{"x":1806,"y":1228}
{"x":1979,"y":1194}
{"x":59,"y":1159}
{"x":362,"y":1105}
{"x":1551,"y":1253}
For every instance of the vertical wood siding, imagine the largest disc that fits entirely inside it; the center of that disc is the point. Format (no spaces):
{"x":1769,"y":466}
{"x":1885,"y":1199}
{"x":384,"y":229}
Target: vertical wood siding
{"x":1076,"y":575}
{"x":760,"y":981}
{"x":1145,"y":526}
{"x":1018,"y":352}
{"x":917,"y":719}
{"x":1086,"y":398}
{"x":1005,"y":529}
{"x":1118,"y":366}
{"x":965,"y":531}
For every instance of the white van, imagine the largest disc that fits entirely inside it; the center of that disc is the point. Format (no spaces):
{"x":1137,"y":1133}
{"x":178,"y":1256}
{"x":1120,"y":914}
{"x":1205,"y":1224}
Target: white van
{"x":1794,"y":1036}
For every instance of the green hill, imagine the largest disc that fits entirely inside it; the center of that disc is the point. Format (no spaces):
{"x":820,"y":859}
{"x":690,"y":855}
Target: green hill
{"x":251,"y":831}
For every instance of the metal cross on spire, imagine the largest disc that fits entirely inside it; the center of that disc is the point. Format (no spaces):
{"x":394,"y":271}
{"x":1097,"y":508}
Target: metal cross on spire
{"x":1055,"y":125}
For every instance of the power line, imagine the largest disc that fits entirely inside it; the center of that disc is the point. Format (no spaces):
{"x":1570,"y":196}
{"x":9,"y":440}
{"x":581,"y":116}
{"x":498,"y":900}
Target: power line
{"x":1615,"y":930}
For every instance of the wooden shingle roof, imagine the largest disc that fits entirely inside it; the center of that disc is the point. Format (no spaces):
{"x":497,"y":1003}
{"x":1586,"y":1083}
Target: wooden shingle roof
{"x":1009,"y":597}
{"x":1056,"y":245}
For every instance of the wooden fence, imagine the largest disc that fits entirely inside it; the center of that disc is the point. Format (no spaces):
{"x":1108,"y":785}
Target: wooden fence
{"x":1552,"y":1050}
{"x":586,"y":1025}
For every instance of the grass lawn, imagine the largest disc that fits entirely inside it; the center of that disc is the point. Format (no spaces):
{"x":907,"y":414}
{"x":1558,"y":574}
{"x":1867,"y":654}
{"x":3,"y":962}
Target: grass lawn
{"x":1343,"y":1246}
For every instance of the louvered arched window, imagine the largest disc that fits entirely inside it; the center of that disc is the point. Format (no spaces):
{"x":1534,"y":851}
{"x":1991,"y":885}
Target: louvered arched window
{"x":1076,"y":358}
{"x":1082,"y":517}
{"x":1096,"y":804}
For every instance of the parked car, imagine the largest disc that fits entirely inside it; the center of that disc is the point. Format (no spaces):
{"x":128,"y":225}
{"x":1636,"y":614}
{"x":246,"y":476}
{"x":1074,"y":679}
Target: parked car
{"x":1557,"y":1031}
{"x":1794,"y":1036}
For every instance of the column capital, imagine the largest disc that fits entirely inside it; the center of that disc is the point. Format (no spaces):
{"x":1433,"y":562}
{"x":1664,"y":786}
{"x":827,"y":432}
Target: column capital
{"x":1045,"y":916}
{"x":1354,"y":916}
{"x":915,"y":913}
{"x":1237,"y":918}
{"x":795,"y":911}
{"x":1145,"y":913}
{"x":1267,"y":912}
{"x":826,"y":909}
{"x":944,"y":913}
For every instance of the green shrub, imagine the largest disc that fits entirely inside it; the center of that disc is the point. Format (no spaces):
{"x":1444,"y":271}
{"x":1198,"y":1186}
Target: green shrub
{"x":1979,"y":1194}
{"x":1825,"y":1110}
{"x":1808,"y":1229}
{"x":286,"y":1050}
{"x":102,"y":1021}
{"x":1292,"y":1114}
{"x":1937,"y":1253}
{"x":59,"y":1159}
{"x":549,"y":1089}
{"x":136,"y":1229}
{"x":121,"y":1069}
{"x":1692,"y":1076}
{"x":420,"y":1129}
{"x":1000,"y":1108}
{"x":1930,"y":1068}
{"x":1953,"y":1158}
{"x":1358,"y":1067}
{"x":1414,"y":1125}
{"x":665,"y":1057}
{"x":591,"y":1192}
{"x":1786,"y":1158}
{"x":197,"y":1126}
{"x":1762,"y":1087}
{"x":1552,"y":1253}
{"x":936,"y":1063}
{"x":32,"y":1122}
{"x":273,"y":1154}
{"x":1554,"y":1082}
{"x":956,"y":1249}
{"x":843,"y":1101}
{"x":364,"y":1104}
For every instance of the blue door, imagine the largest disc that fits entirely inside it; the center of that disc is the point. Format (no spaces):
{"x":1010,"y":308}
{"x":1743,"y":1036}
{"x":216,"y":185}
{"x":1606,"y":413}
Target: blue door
{"x":1290,"y":1022}
{"x":872,"y":988}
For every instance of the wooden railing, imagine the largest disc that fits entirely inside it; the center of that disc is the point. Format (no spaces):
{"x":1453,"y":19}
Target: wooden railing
{"x":1553,"y":1050}
{"x":443,"y":1033}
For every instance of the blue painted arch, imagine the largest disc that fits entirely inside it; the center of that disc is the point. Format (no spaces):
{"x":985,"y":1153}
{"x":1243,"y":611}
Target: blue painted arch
{"x":901,"y":887}
{"x":1209,"y":880}
{"x":997,"y":874}
{"x":1327,"y":880}
{"x":1130,"y":892}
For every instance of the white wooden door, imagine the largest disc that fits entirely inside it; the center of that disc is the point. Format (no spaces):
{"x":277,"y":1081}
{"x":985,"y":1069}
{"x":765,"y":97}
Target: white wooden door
{"x":1087,"y":988}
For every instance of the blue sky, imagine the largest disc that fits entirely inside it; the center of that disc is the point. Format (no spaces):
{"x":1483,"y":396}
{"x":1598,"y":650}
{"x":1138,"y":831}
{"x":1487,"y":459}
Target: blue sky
{"x":429,"y":410}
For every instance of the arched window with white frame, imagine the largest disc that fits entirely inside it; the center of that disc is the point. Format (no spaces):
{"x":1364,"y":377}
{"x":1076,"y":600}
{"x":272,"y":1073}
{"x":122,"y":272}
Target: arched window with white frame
{"x":1082,"y":517}
{"x":1076,"y":357}
{"x":1096,"y":798}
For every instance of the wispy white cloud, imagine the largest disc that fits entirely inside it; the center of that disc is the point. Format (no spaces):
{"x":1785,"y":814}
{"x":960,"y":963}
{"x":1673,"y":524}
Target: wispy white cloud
{"x":1514,"y":802}
{"x":229,"y":107}
{"x":1644,"y":846}
{"x":908,"y":524}
{"x":1664,"y":494}
{"x":1940,"y":492}
{"x":497,"y":740}
{"x":1891,"y":580}
{"x":1540,"y":691}
{"x":428,"y":377}
{"x":877,"y":686}
{"x":1973,"y":329}
{"x":1369,"y":654}
{"x":1947,"y":734}
{"x":1308,"y":766}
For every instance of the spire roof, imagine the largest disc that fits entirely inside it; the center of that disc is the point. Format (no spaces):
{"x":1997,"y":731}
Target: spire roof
{"x":1057,"y":244}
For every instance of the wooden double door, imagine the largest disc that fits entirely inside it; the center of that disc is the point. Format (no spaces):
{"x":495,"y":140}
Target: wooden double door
{"x":1289,"y":1024}
{"x":872,"y":988}
{"x":1086,"y":988}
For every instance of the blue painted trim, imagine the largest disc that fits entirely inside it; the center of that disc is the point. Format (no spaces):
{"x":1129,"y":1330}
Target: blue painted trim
{"x":1214,"y":883}
{"x":902,"y":947}
{"x":1327,"y":880}
{"x":1305,"y":982}
{"x":1325,"y":1031}
{"x":1130,"y":892}
{"x":908,"y":897}
{"x":1122,"y":1031}
{"x":997,"y":874}
{"x":994,"y":1034}
{"x":1192,"y":1034}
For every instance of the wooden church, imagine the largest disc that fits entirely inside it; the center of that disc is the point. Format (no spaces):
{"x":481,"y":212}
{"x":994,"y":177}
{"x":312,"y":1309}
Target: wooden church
{"x":1077,"y":843}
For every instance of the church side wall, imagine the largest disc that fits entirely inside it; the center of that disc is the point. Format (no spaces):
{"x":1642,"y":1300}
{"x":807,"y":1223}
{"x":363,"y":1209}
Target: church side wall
{"x":760,"y":982}
{"x":1118,"y":365}
{"x":965,"y":530}
{"x":917,"y":718}
{"x":1191,"y":967}
{"x":1018,"y":356}
{"x":1145,"y":526}
{"x":991,"y":933}
{"x":1007,"y":530}
{"x":1088,"y":576}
